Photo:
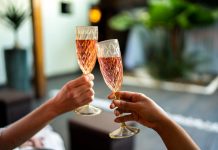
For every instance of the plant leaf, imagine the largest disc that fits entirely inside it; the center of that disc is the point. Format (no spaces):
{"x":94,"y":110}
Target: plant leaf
{"x":121,"y":22}
{"x":13,"y":16}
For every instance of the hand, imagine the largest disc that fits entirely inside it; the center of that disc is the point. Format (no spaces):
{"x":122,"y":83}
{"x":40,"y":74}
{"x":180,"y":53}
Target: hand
{"x":141,"y":108}
{"x":74,"y":94}
{"x":34,"y":143}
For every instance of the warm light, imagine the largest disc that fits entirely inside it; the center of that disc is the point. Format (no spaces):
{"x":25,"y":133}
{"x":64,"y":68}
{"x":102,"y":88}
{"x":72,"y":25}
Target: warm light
{"x":94,"y":15}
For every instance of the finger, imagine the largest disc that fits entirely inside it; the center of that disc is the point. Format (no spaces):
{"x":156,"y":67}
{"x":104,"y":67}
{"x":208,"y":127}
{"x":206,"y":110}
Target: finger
{"x":126,"y":95}
{"x":125,"y":105}
{"x":114,"y":95}
{"x":89,"y":95}
{"x":75,"y":92}
{"x":131,"y":117}
{"x":118,"y":111}
{"x":81,"y":80}
{"x":112,"y":106}
{"x":124,"y":118}
{"x":111,"y":96}
{"x":86,"y":101}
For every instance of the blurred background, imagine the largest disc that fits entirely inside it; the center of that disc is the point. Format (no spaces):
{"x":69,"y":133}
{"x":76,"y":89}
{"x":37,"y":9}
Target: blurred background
{"x":169,"y":50}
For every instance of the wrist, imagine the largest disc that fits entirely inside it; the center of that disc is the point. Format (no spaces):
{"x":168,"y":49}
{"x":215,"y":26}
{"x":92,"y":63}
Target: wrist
{"x":52,"y":108}
{"x":163,"y":124}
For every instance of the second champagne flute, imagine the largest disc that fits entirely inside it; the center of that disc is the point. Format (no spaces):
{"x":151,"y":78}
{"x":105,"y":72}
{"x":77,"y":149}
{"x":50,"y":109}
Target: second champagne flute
{"x":86,"y":49}
{"x":111,"y":67}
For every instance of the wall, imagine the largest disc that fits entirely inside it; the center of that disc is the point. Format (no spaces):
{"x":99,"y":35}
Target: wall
{"x":7,"y":37}
{"x":58,"y":36}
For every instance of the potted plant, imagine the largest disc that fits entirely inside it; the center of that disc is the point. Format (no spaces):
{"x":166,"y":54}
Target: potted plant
{"x":174,"y":17}
{"x":15,"y":57}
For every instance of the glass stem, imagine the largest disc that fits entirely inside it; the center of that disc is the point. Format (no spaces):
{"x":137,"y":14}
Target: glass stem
{"x":88,"y":105}
{"x":123,"y":124}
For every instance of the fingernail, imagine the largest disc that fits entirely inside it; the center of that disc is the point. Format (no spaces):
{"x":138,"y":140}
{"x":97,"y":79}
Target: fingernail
{"x":117,"y":113}
{"x":112,"y":106}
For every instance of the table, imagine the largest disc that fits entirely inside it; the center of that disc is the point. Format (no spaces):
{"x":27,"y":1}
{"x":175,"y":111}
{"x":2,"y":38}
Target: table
{"x":91,"y":133}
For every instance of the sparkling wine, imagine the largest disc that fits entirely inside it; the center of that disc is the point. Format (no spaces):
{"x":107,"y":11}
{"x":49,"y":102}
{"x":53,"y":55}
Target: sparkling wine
{"x":86,"y":54}
{"x":112,"y":71}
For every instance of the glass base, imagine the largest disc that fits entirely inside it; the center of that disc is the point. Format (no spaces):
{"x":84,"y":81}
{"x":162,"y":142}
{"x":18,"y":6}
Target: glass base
{"x":124,"y":132}
{"x":88,"y":110}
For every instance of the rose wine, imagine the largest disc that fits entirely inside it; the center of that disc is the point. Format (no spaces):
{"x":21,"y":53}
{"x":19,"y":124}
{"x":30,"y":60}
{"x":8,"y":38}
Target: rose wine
{"x":112,"y":71}
{"x":86,"y":54}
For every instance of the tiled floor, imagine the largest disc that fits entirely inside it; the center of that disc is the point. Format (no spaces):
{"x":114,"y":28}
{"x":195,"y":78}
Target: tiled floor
{"x":188,"y":105}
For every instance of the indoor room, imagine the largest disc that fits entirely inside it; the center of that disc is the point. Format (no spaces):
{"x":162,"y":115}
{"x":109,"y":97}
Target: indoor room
{"x":108,"y":75}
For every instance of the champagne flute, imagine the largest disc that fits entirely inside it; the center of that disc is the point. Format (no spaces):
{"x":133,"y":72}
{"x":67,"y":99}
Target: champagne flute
{"x":109,"y":58}
{"x":86,"y":49}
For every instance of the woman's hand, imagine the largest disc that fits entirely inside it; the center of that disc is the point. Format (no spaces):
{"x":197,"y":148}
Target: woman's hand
{"x":74,"y":94}
{"x":145,"y":111}
{"x":141,"y":108}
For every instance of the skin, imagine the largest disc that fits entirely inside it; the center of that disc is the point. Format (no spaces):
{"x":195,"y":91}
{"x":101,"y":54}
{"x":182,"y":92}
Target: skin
{"x":145,"y":111}
{"x":73,"y":94}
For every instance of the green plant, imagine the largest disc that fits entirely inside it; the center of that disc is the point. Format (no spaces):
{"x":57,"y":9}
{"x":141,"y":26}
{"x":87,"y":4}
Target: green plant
{"x":14,"y":17}
{"x":174,"y":16}
{"x":165,"y":13}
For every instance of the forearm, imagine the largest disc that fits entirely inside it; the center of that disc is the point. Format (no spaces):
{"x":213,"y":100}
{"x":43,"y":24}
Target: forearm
{"x":174,"y":136}
{"x":20,"y":131}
